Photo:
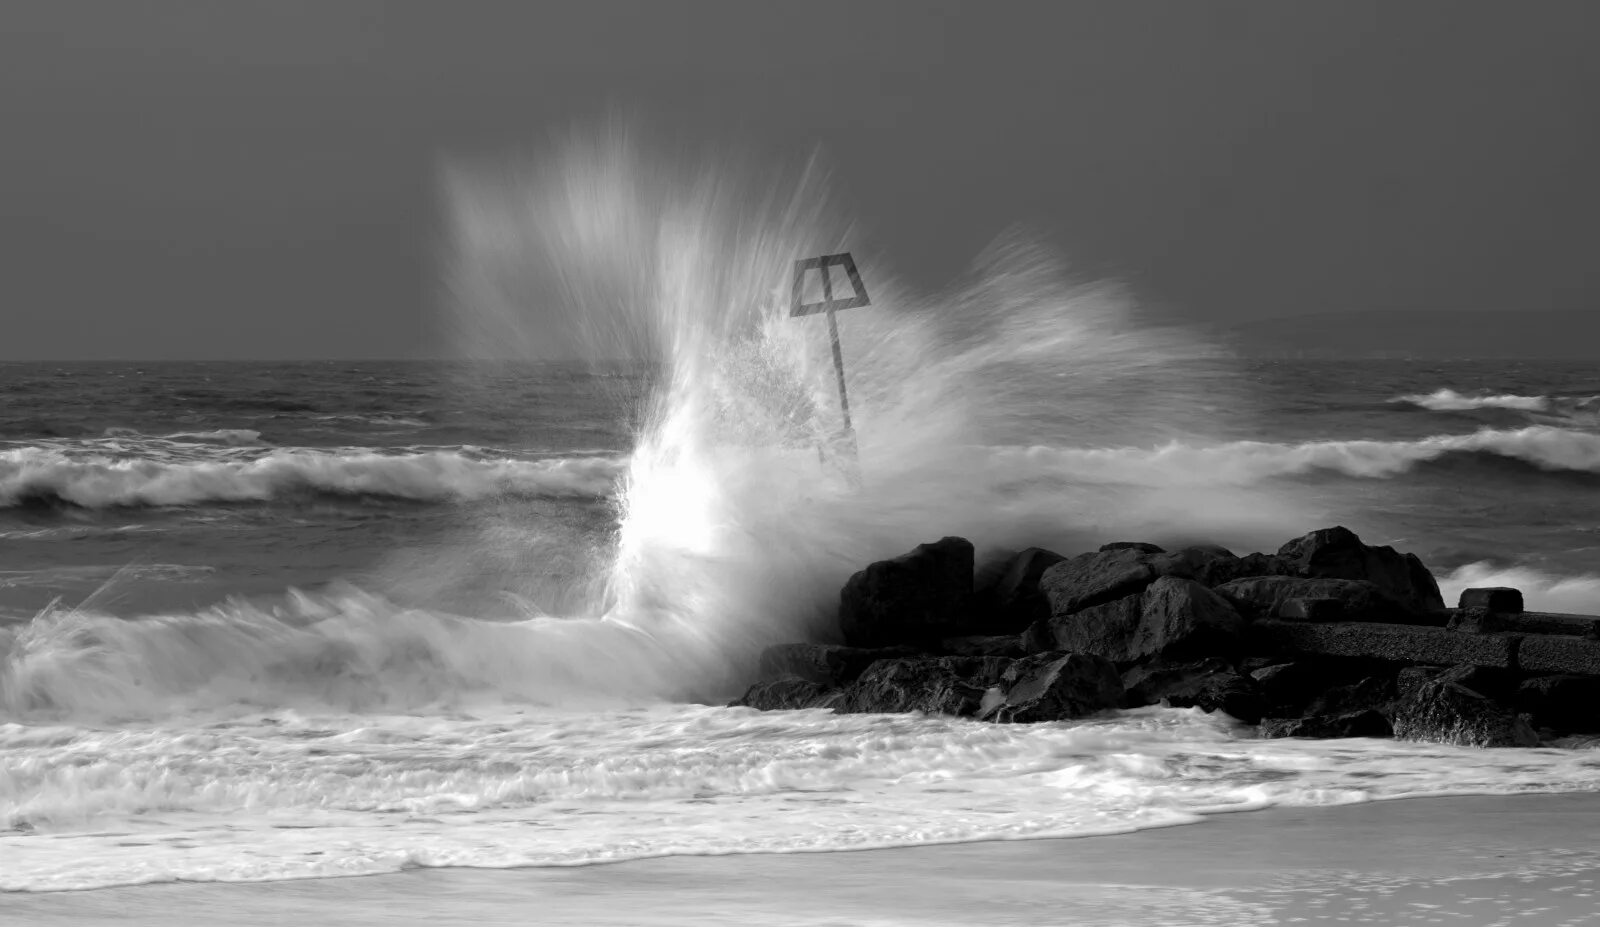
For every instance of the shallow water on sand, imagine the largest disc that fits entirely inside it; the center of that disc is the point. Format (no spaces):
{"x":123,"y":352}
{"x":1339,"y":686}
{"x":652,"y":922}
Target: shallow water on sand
{"x":1476,"y":862}
{"x":295,"y":795}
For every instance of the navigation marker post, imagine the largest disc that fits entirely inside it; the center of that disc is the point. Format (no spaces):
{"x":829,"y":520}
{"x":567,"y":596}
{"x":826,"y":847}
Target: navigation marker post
{"x":830,"y":305}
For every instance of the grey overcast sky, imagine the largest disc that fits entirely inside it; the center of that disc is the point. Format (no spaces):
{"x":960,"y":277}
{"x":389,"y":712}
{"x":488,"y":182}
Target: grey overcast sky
{"x":259,"y":179}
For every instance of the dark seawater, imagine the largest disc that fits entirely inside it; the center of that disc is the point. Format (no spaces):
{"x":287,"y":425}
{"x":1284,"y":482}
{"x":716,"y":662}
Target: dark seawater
{"x":1464,"y":462}
{"x":162,"y":486}
{"x":167,"y":486}
{"x":447,"y":686}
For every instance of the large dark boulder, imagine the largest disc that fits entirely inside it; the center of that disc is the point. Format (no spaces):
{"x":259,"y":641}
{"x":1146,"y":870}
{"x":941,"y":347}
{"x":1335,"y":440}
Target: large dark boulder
{"x":1123,"y":569}
{"x":1410,"y":678}
{"x":915,"y":598}
{"x":995,"y":645}
{"x":1054,"y":687}
{"x":828,"y":664}
{"x":1312,"y":609}
{"x":1181,"y":617}
{"x":1315,"y":685}
{"x":791,"y":693}
{"x":1336,"y":553}
{"x":1094,"y":579}
{"x":1016,"y":601}
{"x":1143,"y":546}
{"x":940,"y":685}
{"x":1206,"y":564}
{"x":1268,"y":596}
{"x":1371,"y":693}
{"x":1150,"y":683}
{"x":1568,"y":704}
{"x":1440,"y":711}
{"x":1365,"y":723}
{"x":1210,"y":685}
{"x":1104,"y":630}
{"x":1172,"y":616}
{"x":1259,"y":564}
{"x":1496,"y":682}
{"x":1289,"y":687}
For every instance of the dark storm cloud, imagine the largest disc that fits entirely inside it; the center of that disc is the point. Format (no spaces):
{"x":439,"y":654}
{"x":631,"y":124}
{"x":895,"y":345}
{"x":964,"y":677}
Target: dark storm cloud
{"x":232,"y":179}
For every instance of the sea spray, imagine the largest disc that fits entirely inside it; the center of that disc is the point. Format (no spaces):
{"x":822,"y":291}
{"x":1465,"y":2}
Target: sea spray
{"x":733,"y":532}
{"x":356,"y":730}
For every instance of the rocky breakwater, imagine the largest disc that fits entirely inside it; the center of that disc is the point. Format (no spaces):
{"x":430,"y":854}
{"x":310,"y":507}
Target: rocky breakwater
{"x":1327,"y":637}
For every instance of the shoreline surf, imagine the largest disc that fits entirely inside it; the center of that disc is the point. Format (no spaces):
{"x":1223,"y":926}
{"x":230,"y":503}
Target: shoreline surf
{"x":1480,"y":858}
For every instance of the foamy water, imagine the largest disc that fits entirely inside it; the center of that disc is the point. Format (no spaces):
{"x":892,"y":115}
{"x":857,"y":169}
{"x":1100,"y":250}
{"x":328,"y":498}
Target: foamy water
{"x":291,"y":795}
{"x":1247,"y":463}
{"x":173,"y":472}
{"x":169,"y":473}
{"x":405,"y":723}
{"x":1448,"y":400}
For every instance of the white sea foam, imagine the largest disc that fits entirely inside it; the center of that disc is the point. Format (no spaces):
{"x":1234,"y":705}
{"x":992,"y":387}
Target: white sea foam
{"x":347,"y":650}
{"x":1244,"y":463}
{"x":377,"y":419}
{"x":291,"y":795}
{"x":175,"y":474}
{"x":233,"y":436}
{"x":402,"y":737}
{"x":102,"y":481}
{"x":1448,"y":400}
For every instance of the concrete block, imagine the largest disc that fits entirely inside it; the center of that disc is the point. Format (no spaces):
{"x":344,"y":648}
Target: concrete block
{"x":1501,"y":599}
{"x":1399,"y":643}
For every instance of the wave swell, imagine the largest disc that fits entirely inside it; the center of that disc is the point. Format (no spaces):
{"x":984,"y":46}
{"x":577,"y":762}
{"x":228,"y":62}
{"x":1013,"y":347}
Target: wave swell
{"x":44,"y":476}
{"x":1243,"y":463}
{"x":34,"y":475}
{"x":1448,"y":400}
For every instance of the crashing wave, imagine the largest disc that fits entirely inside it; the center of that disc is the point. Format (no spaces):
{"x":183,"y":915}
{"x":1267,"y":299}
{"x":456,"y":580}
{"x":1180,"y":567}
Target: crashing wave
{"x":348,"y":649}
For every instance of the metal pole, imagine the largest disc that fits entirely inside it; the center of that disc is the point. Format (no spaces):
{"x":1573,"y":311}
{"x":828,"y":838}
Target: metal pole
{"x":858,"y":297}
{"x":838,"y":355}
{"x":838,"y":368}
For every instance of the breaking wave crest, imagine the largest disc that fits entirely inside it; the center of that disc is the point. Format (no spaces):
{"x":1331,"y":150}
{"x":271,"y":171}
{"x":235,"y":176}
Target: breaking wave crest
{"x":1243,"y":463}
{"x":1581,"y":410}
{"x":35,"y":476}
{"x":237,"y":437}
{"x":1448,"y":400}
{"x":349,"y":650}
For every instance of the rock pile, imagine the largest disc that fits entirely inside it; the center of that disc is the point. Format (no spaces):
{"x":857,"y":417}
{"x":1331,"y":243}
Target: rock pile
{"x":1328,"y":637}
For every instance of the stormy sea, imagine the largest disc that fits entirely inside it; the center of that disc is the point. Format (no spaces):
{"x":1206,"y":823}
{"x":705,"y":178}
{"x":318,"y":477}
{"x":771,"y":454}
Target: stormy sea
{"x":285,"y":621}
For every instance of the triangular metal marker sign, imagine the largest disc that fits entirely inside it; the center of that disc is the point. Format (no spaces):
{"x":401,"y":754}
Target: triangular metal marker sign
{"x":828,"y":304}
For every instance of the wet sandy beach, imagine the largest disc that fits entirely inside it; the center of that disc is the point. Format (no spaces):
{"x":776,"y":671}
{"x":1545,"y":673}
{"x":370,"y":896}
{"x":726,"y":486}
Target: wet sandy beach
{"x":1531,"y":860}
